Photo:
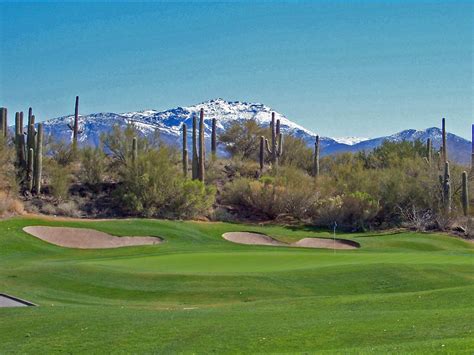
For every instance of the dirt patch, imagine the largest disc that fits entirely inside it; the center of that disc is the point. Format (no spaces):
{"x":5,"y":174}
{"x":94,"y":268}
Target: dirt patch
{"x":84,"y":238}
{"x":262,"y":239}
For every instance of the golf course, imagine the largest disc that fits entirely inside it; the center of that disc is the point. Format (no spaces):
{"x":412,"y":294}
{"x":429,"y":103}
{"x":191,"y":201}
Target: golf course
{"x":198,"y":292}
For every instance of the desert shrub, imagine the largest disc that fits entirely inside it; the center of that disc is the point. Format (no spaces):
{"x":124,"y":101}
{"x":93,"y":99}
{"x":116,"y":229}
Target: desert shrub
{"x":8,"y":183}
{"x":117,"y":143}
{"x":289,"y":191}
{"x":154,"y":186}
{"x":93,"y":165}
{"x":58,"y":178}
{"x":9,"y":203}
{"x":296,"y":153}
{"x":242,"y":139}
{"x":59,"y":151}
{"x":238,"y":167}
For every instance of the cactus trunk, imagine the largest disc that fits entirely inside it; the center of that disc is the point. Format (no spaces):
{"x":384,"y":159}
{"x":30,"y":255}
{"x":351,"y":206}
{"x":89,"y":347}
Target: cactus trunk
{"x":465,"y":194}
{"x":444,"y":147}
{"x":316,"y":157}
{"x":29,"y":170}
{"x":20,"y":141}
{"x":195,"y":163}
{"x":185,"y":150}
{"x":30,"y":140}
{"x":38,"y":167}
{"x":429,"y":151}
{"x":76,"y":125}
{"x":214,"y":139}
{"x":3,"y":122}
{"x":262,"y":153}
{"x":447,"y":188}
{"x":276,"y":149}
{"x":202,"y":152}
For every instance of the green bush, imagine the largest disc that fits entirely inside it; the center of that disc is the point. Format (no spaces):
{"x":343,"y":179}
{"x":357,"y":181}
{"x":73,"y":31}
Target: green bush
{"x":289,"y":192}
{"x":154,"y":186}
{"x":93,"y":165}
{"x":58,"y":178}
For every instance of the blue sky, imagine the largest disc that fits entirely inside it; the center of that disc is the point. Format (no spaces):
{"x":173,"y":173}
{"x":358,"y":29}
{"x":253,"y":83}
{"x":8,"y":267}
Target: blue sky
{"x":362,"y":68}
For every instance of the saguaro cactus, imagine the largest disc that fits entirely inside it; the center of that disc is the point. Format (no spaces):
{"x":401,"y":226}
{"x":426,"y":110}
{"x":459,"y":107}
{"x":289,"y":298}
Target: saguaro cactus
{"x":3,"y":122}
{"x":429,"y":151}
{"x":465,"y":194}
{"x":38,"y":167}
{"x":277,"y":141}
{"x":446,"y":187}
{"x":316,"y":157}
{"x":202,"y":152}
{"x":214,"y":139}
{"x":31,"y":137}
{"x":444,"y":148}
{"x":19,"y":141}
{"x":75,"y":126}
{"x":185,"y":150}
{"x":262,"y":153}
{"x":29,"y":170}
{"x":134,"y":150}
{"x":195,"y":162}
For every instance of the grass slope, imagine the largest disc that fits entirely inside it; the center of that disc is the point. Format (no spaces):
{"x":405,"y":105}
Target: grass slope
{"x":401,"y":292}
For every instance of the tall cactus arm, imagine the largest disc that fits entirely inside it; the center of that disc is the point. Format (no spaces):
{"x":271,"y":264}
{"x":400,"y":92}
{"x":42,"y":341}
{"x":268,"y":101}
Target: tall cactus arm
{"x":280,"y":145}
{"x":267,"y":147}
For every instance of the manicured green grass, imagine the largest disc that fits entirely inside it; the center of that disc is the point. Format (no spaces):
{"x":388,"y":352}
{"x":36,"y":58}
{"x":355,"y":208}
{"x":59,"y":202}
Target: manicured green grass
{"x":400,"y":292}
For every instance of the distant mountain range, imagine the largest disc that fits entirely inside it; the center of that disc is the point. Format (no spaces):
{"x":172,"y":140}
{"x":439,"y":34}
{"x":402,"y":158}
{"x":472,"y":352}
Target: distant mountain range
{"x":169,"y":124}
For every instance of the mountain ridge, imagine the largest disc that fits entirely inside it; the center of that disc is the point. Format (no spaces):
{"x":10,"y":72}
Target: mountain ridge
{"x":169,"y":124}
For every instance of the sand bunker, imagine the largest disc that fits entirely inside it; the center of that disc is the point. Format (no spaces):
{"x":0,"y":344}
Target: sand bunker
{"x":262,"y":239}
{"x":83,"y":238}
{"x":251,"y":238}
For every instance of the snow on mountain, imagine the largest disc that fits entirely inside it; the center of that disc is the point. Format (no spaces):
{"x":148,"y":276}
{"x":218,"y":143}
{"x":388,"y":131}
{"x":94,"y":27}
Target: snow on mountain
{"x":169,"y":124}
{"x":350,"y":140}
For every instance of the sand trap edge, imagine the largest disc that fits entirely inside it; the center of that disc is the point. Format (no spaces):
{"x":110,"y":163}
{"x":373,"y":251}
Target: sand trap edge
{"x":255,"y":238}
{"x":87,"y":238}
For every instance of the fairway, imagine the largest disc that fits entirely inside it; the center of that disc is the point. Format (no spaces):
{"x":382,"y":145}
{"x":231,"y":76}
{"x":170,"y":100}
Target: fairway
{"x":196,"y":292}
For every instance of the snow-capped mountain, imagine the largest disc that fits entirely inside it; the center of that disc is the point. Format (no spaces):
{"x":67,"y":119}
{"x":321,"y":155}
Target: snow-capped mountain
{"x":169,"y":124}
{"x":350,"y":140}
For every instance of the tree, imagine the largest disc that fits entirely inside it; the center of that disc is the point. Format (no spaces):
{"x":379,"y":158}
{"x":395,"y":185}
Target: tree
{"x":242,"y":139}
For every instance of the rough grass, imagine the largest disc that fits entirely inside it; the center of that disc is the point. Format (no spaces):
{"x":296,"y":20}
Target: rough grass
{"x":400,"y":292}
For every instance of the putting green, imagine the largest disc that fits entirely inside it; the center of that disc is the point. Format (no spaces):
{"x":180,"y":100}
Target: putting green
{"x":258,"y":262}
{"x":400,"y":292}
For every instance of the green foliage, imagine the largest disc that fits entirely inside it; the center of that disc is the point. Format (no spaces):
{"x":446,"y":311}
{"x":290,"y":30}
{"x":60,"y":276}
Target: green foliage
{"x":59,"y":151}
{"x":242,"y":139}
{"x":93,"y":165}
{"x":154,"y":186}
{"x":289,"y":192}
{"x":296,"y":154}
{"x":391,"y":154}
{"x":8,"y":183}
{"x":59,"y":178}
{"x":353,"y":210}
{"x":118,"y":143}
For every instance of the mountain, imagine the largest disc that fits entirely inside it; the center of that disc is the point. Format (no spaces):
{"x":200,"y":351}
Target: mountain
{"x":169,"y":124}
